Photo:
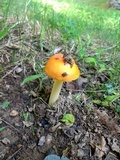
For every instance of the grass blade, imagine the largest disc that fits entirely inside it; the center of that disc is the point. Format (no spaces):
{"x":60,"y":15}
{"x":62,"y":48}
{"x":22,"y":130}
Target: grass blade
{"x":5,"y":104}
{"x":5,"y":31}
{"x":2,"y":128}
{"x":31,"y":78}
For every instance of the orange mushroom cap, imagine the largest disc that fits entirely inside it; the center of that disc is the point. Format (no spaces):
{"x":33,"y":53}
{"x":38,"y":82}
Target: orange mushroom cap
{"x":58,"y":69}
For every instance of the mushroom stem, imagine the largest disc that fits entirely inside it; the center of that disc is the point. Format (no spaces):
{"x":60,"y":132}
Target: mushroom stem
{"x":55,"y":91}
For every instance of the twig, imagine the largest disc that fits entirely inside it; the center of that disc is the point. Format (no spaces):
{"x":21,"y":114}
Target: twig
{"x":53,"y":128}
{"x":28,"y":155}
{"x":10,"y":125}
{"x":88,"y":91}
{"x":111,"y":47}
{"x":14,"y":154}
{"x":9,"y":72}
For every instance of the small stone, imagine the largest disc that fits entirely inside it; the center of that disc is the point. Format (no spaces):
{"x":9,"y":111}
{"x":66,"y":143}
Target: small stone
{"x":115,"y":145}
{"x":84,"y":118}
{"x":5,"y":141}
{"x":96,"y":130}
{"x":58,"y":49}
{"x":98,"y":125}
{"x":41,"y":141}
{"x":48,"y":139}
{"x":77,"y":138}
{"x":17,"y":124}
{"x":80,"y":153}
{"x":7,"y":86}
{"x":18,"y":70}
{"x":13,"y":113}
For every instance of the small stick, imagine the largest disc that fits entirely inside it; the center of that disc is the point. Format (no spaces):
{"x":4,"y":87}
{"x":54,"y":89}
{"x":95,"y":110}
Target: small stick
{"x":9,"y":72}
{"x":28,"y":155}
{"x":10,"y":125}
{"x":52,"y":129}
{"x":14,"y":154}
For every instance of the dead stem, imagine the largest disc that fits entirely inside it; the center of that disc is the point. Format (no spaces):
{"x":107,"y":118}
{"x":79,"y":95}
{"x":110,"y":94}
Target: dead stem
{"x":11,"y":125}
{"x":53,"y":128}
{"x":28,"y":154}
{"x":10,"y":157}
{"x":9,"y":72}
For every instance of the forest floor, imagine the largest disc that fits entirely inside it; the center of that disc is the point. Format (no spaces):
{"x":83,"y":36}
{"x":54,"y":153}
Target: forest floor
{"x":29,"y":129}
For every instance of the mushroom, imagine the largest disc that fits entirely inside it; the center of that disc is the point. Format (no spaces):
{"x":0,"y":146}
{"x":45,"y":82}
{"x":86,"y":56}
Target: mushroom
{"x":61,"y":70}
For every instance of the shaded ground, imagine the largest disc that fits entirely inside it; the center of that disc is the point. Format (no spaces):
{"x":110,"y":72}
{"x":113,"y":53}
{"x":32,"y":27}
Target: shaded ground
{"x":30,"y":125}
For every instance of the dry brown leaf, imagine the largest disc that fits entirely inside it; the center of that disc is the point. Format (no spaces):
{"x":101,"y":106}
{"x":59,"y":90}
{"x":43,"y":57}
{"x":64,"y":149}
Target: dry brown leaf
{"x":101,"y":149}
{"x":110,"y":124}
{"x":102,"y":145}
{"x":65,"y":152}
{"x":27,"y":123}
{"x":77,"y":84}
{"x":71,"y":86}
{"x":81,"y":82}
{"x":98,"y":153}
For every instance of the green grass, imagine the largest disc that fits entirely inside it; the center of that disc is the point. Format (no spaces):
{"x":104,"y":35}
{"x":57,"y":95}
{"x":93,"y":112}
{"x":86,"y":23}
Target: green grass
{"x":98,"y":3}
{"x":87,"y":24}
{"x":72,"y":21}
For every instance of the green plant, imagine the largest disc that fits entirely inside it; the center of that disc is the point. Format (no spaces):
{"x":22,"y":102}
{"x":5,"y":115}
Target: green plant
{"x":5,"y":104}
{"x":108,"y":100}
{"x":26,"y":116}
{"x":31,"y":78}
{"x":4,"y":32}
{"x":68,"y":119}
{"x":2,"y":128}
{"x":117,"y":109}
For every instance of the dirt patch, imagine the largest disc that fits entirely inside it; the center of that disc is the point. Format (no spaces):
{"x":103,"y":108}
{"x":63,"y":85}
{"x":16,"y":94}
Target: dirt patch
{"x":23,"y":138}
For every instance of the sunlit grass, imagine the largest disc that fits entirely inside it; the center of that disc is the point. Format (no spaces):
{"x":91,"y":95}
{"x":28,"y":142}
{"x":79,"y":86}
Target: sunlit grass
{"x":71,"y":19}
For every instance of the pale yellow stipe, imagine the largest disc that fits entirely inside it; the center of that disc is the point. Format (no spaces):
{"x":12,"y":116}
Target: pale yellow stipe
{"x":55,"y":91}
